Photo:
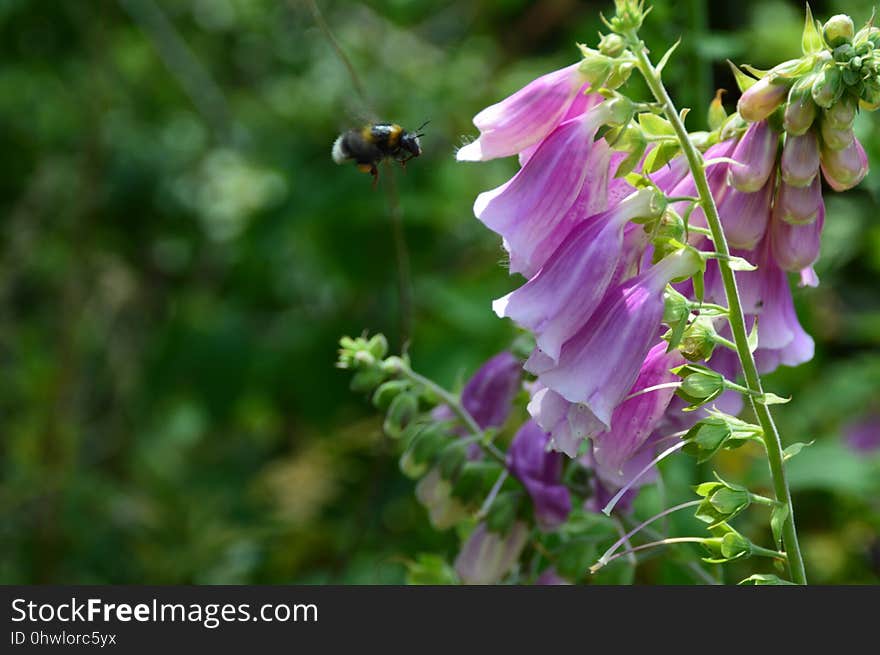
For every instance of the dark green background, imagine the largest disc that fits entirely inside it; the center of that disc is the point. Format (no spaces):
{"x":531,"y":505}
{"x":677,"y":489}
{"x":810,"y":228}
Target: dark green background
{"x":179,"y":254}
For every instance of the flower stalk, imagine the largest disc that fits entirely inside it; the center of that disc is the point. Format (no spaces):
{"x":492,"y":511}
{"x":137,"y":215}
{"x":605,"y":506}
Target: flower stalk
{"x":735,"y":311}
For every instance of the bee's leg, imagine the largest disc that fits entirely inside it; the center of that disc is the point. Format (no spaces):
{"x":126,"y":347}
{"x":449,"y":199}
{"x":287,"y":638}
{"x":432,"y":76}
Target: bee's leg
{"x":403,"y":162}
{"x":375,"y":173}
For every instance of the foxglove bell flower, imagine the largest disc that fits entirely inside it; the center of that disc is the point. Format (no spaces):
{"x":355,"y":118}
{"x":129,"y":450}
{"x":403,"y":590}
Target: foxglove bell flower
{"x":796,"y":247}
{"x":488,"y":395}
{"x":609,"y":480}
{"x":597,"y":366}
{"x":799,"y":205}
{"x":563,"y":295}
{"x":528,"y":209}
{"x":487,"y":556}
{"x":523,"y":119}
{"x":756,"y":157}
{"x":635,"y":419}
{"x":540,"y":471}
{"x":567,"y":423}
{"x":800,"y":159}
{"x":744,"y":215}
{"x":844,"y":169}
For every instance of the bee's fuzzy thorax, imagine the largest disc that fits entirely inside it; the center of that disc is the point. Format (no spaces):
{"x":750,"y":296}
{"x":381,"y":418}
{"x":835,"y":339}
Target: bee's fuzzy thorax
{"x":338,"y":152}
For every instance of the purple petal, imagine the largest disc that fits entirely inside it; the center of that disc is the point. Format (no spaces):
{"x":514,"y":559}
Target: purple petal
{"x":525,"y":117}
{"x":800,"y":159}
{"x":583,"y":102}
{"x":844,"y":169}
{"x":745,"y":215}
{"x":796,"y":247}
{"x":762,"y":98}
{"x":563,"y":295}
{"x":540,"y":471}
{"x":863,"y":435}
{"x":635,"y":419}
{"x":528,"y":209}
{"x":488,"y":395}
{"x":567,"y":423}
{"x":756,"y":154}
{"x":798,"y":205}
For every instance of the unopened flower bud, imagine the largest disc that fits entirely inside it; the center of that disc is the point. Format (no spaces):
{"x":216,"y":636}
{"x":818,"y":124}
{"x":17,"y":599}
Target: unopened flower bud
{"x":727,"y":545}
{"x":800,"y":159}
{"x":699,"y":340}
{"x":612,"y":45}
{"x":700,"y":384}
{"x":796,"y":247}
{"x":756,"y":154}
{"x":836,"y":139}
{"x":762,"y":98}
{"x":838,"y":30}
{"x":842,"y":114}
{"x":722,"y":501}
{"x":844,"y":169}
{"x":798,"y":205}
{"x":675,"y":307}
{"x":800,"y":112}
{"x":828,"y":88}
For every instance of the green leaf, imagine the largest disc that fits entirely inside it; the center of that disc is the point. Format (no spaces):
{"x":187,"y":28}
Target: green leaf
{"x":772,"y":399}
{"x":794,"y":449}
{"x":753,"y":337}
{"x":665,"y":58}
{"x":743,"y":81}
{"x":658,"y":157}
{"x":740,"y":264}
{"x":777,"y":521}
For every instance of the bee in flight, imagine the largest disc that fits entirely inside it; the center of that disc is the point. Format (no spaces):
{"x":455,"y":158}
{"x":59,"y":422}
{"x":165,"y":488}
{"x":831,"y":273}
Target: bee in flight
{"x":375,"y":142}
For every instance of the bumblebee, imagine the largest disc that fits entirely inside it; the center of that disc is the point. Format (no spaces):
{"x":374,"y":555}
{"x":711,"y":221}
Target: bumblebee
{"x":375,"y":142}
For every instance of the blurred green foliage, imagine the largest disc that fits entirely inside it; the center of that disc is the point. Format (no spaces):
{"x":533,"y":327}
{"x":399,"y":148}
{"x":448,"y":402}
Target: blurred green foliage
{"x":179,"y":255}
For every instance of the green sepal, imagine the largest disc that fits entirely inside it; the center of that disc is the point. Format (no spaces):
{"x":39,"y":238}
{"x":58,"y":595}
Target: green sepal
{"x":794,"y":449}
{"x":811,"y":40}
{"x":743,"y":81}
{"x":778,"y":517}
{"x":402,"y":411}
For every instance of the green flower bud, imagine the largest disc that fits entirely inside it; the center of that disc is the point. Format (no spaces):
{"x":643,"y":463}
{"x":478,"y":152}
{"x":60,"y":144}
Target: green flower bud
{"x":595,"y":67}
{"x":387,"y":392}
{"x":842,"y":113}
{"x":612,"y":45}
{"x":722,"y":501}
{"x":401,"y":412}
{"x":451,"y":459}
{"x":828,"y":88}
{"x":675,"y":307}
{"x":718,"y":431}
{"x":844,"y":53}
{"x":727,"y":545}
{"x":869,"y":98}
{"x":423,"y":449}
{"x":699,"y":340}
{"x":800,"y":112}
{"x":836,"y":139}
{"x":762,"y":98}
{"x":700,"y":384}
{"x":621,"y":110}
{"x":838,"y":30}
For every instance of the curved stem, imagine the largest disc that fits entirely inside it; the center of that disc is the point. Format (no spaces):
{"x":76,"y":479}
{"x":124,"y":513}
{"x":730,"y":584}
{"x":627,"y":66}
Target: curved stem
{"x":735,"y":316}
{"x":458,"y":409}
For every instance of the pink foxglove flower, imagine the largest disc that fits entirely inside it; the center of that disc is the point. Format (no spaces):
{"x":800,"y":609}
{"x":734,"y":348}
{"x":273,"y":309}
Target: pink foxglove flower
{"x":563,"y":295}
{"x":800,"y":159}
{"x":567,"y":423}
{"x":799,"y":205}
{"x":844,"y":169}
{"x":796,"y":247}
{"x":528,"y":209}
{"x":523,"y":119}
{"x":756,"y":157}
{"x":540,"y":471}
{"x":635,"y":419}
{"x":597,"y":367}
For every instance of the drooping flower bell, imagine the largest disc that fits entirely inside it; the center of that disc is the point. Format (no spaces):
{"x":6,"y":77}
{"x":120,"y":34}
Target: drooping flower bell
{"x":526,"y":117}
{"x":563,"y":295}
{"x":598,"y":365}
{"x":540,"y":471}
{"x":488,"y":395}
{"x":529,"y":210}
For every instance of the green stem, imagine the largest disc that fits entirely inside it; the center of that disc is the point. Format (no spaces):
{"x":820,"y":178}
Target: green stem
{"x":455,"y":405}
{"x":735,"y":316}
